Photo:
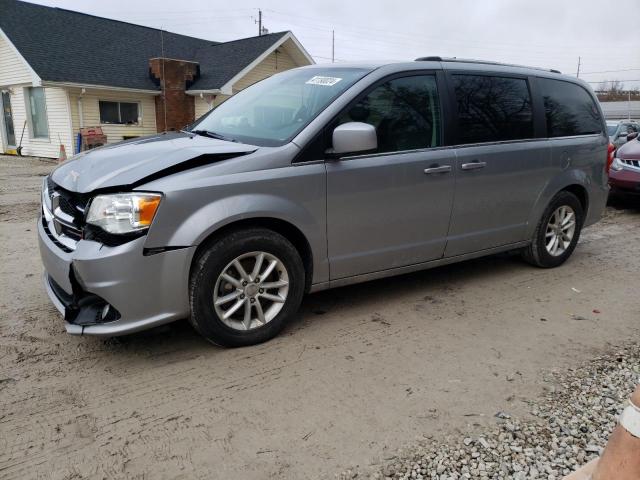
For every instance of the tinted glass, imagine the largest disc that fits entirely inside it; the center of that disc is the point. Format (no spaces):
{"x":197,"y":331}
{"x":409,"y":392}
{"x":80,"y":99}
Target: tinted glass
{"x":128,"y":113}
{"x":405,"y":112}
{"x":492,"y":109}
{"x":612,"y":129}
{"x":274,"y":110}
{"x":109,"y":112}
{"x":569,"y":109}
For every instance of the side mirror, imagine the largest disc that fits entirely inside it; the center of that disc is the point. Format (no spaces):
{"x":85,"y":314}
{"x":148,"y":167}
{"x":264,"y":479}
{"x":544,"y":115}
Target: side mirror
{"x":354,"y":137}
{"x":631,"y":136}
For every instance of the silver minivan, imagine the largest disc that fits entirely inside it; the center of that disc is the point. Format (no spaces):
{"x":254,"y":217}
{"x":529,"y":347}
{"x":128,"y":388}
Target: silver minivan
{"x":320,"y":177}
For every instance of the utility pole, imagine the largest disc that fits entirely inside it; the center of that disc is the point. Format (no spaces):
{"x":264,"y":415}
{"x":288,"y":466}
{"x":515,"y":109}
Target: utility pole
{"x":578,"y":73}
{"x":259,"y":22}
{"x":333,"y":46}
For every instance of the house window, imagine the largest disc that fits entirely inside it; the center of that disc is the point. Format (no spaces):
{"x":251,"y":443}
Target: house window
{"x":123,"y":113}
{"x":38,"y":112}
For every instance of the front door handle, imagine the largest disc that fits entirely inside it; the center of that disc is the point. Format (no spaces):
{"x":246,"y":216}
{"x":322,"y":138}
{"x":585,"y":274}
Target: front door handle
{"x":441,"y":169}
{"x":473,"y":165}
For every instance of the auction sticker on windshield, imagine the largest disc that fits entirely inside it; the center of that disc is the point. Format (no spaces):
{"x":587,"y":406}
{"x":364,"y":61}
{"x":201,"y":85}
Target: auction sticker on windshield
{"x":324,"y":81}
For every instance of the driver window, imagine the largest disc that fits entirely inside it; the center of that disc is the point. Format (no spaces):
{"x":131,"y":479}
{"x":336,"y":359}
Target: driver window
{"x":405,"y":112}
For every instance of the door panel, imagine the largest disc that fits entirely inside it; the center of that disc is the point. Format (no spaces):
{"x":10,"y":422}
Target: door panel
{"x":501,"y":168}
{"x":385,"y":211}
{"x":493,"y":203}
{"x":391,"y":208}
{"x":8,"y":119}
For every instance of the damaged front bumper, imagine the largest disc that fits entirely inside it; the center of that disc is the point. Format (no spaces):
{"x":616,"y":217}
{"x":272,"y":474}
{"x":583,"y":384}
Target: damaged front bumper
{"x":111,"y":291}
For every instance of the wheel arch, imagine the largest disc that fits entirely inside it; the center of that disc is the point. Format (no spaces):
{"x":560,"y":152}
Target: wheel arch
{"x":574,"y":181}
{"x":282,"y":227}
{"x":581,"y":192}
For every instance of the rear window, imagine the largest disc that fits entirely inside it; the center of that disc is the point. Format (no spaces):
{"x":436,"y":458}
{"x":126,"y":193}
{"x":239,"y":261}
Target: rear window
{"x":492,"y":108}
{"x":569,"y":109}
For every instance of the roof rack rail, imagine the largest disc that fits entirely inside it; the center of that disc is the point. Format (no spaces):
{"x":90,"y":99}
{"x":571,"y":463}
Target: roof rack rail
{"x":435,"y":58}
{"x":429,"y":59}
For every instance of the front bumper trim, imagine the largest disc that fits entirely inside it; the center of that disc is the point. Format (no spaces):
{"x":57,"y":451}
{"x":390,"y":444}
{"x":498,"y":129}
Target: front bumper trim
{"x":146,"y":291}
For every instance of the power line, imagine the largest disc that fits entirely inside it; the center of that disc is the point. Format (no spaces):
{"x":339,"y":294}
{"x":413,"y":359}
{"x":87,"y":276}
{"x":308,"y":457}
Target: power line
{"x":314,"y":21}
{"x":617,"y":80}
{"x":611,"y":71}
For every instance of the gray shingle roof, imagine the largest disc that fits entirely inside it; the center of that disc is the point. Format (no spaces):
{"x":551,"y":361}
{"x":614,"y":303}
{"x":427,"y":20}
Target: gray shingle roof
{"x":66,"y":46}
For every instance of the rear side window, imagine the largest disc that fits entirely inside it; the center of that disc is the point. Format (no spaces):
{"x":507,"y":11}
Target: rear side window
{"x":492,"y":109}
{"x":405,"y":112}
{"x":569,"y":109}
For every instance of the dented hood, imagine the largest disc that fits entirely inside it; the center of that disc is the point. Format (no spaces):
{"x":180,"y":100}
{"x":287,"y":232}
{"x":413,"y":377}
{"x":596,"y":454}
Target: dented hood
{"x":127,"y":163}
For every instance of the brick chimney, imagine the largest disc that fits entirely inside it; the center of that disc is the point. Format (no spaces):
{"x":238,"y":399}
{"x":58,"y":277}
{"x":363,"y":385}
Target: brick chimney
{"x":173,"y":77}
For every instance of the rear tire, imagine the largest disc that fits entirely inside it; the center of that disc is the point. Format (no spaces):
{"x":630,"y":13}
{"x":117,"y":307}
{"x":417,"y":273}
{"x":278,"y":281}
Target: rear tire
{"x":231,"y":305}
{"x":557,"y":234}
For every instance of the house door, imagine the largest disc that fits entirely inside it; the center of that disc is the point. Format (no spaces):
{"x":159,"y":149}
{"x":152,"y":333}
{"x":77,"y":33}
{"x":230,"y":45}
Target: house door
{"x":7,"y":114}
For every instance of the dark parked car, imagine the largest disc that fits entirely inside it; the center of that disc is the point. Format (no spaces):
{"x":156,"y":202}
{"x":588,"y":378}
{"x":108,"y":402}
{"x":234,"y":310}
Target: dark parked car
{"x":624,"y":176}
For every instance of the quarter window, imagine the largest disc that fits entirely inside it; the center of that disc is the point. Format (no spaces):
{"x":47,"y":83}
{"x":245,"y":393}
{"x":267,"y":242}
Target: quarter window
{"x":405,"y":112}
{"x":492,"y":109}
{"x":38,"y":112}
{"x":125,"y":113}
{"x":569,"y":109}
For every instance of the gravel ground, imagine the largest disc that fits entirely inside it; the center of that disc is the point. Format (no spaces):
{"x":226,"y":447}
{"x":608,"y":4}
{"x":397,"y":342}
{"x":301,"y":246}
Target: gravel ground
{"x":565,"y":429}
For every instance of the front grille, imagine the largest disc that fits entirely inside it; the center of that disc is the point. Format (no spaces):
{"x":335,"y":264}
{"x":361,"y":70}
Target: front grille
{"x":70,"y":203}
{"x":67,"y":206}
{"x":54,"y":238}
{"x":67,"y":209}
{"x":68,"y":230}
{"x":632,"y":163}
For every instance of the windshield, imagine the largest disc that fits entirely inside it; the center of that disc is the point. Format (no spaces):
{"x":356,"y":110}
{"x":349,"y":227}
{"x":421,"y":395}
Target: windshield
{"x":271,"y":112}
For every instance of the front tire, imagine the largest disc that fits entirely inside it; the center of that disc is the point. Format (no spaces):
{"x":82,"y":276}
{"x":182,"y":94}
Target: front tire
{"x":245,"y":287}
{"x":557,"y":233}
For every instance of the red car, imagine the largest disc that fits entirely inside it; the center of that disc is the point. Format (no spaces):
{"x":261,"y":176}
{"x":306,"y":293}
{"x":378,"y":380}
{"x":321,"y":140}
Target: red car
{"x":624,"y":174}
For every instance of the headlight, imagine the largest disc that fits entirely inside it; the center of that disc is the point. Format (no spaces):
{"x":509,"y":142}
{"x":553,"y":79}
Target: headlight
{"x":617,"y":165}
{"x":123,"y":212}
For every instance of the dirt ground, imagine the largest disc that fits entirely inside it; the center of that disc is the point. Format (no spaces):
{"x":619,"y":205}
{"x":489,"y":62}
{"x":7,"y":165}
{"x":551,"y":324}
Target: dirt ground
{"x":364,"y":370}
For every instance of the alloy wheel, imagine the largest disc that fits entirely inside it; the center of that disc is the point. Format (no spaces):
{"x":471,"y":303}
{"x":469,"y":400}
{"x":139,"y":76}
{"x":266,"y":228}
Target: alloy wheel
{"x":251,"y":290}
{"x":560,"y":231}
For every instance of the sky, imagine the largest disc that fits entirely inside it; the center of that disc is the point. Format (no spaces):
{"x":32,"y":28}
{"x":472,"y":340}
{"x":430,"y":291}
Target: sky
{"x":543,"y":33}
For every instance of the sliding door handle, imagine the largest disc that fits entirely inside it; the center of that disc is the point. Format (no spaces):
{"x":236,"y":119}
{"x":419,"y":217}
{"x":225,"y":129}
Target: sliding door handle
{"x":473,"y":165}
{"x":442,"y":169}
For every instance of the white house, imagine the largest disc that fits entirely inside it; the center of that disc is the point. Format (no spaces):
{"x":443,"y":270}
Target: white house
{"x":62,"y":70}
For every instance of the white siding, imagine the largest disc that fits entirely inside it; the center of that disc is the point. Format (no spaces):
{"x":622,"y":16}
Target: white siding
{"x":12,"y":68}
{"x":57,"y":119}
{"x":114,"y":133}
{"x":202,"y":106}
{"x":275,"y":62}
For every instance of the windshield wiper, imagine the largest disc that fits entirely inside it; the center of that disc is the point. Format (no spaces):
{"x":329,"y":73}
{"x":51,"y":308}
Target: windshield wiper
{"x":210,"y":134}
